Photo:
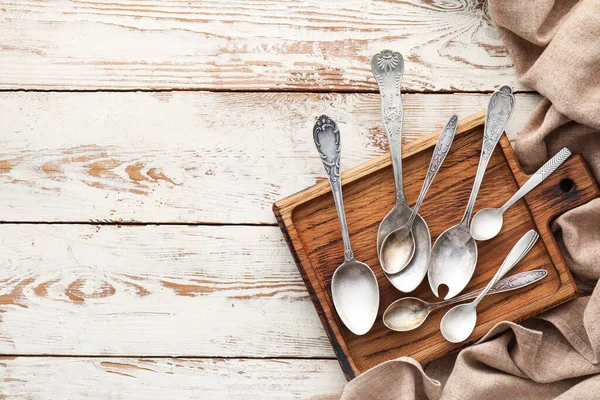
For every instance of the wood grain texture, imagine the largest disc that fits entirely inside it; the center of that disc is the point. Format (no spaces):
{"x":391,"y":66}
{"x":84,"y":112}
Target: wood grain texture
{"x":188,"y":157}
{"x":309,"y":222}
{"x":153,"y":290}
{"x":305,"y":45}
{"x":166,"y":378}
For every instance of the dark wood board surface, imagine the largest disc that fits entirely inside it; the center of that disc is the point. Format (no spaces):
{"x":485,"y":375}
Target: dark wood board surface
{"x":309,"y":222}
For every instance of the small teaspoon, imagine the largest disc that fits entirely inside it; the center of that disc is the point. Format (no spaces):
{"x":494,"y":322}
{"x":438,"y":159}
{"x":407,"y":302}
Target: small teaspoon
{"x":354,"y":287}
{"x":409,"y":313}
{"x":487,"y":223}
{"x":459,"y":322}
{"x":398,"y":247}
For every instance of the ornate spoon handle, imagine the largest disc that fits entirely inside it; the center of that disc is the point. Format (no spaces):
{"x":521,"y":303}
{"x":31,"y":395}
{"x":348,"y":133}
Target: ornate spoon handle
{"x":514,"y":282}
{"x":515,"y":255}
{"x":388,"y":68}
{"x":440,"y":152}
{"x":327,"y":139}
{"x":499,"y":111}
{"x":538,"y":177}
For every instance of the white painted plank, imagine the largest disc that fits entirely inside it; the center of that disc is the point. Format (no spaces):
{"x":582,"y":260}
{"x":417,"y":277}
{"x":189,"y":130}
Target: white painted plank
{"x":274,"y":45}
{"x":188,"y":157}
{"x":166,"y":378}
{"x":153,"y":290}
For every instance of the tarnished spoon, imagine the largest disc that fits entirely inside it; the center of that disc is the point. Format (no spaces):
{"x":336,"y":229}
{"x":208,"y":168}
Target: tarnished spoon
{"x":388,"y":68}
{"x":454,"y":253}
{"x":409,"y":313}
{"x":459,"y":322}
{"x":487,"y":222}
{"x":354,"y":287}
{"x":399,"y":246}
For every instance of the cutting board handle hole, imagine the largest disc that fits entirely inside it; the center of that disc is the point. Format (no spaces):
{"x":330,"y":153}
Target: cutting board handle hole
{"x":566,"y":185}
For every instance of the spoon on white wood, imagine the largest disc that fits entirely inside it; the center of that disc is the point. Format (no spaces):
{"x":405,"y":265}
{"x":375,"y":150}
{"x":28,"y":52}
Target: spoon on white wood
{"x":487,"y":223}
{"x":458,"y":323}
{"x":354,"y":287}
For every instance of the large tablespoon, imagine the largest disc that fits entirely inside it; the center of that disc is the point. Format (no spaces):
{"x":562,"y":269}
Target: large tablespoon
{"x":454,"y":253}
{"x":458,"y":323}
{"x":388,"y":68}
{"x":487,"y":223}
{"x":354,"y":286}
{"x":409,"y":313}
{"x":399,"y":246}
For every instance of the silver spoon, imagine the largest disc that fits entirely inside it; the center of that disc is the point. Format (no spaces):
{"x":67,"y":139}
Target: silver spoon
{"x":458,"y":323}
{"x":409,"y":313}
{"x":454,"y":253}
{"x":388,"y":69}
{"x":398,"y":247}
{"x":354,"y":286}
{"x":487,"y":223}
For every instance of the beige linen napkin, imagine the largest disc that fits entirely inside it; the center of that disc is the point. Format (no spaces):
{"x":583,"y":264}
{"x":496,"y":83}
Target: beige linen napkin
{"x":555,"y":46}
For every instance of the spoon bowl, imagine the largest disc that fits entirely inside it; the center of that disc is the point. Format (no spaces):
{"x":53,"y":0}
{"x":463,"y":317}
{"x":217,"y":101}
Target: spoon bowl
{"x":456,"y":249}
{"x":410,"y":277}
{"x":486,"y":224}
{"x":355,"y":295}
{"x":458,"y":323}
{"x":397,"y":250}
{"x":406,"y":314}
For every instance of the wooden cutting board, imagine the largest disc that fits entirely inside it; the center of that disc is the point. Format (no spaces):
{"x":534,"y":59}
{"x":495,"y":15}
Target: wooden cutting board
{"x":309,"y":223}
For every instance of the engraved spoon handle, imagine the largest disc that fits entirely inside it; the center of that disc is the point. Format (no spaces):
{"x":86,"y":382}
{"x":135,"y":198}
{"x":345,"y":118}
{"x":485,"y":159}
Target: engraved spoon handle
{"x":327,"y":139}
{"x":517,"y":253}
{"x":514,"y":282}
{"x":538,"y":177}
{"x":499,"y":110}
{"x":388,"y":68}
{"x":440,"y":152}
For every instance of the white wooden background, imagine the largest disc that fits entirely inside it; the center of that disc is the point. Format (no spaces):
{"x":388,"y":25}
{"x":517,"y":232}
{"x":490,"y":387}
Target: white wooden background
{"x":142,"y":146}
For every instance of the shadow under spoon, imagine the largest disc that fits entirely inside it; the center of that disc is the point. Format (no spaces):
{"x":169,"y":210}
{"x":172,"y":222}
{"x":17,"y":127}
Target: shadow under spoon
{"x":409,"y":313}
{"x":354,"y":287}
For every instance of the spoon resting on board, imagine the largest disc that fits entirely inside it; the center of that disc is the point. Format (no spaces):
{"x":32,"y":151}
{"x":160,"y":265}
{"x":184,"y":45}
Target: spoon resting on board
{"x":354,"y":287}
{"x":487,"y":223}
{"x":399,"y":246}
{"x":409,"y":313}
{"x":459,"y":322}
{"x":454,"y":253}
{"x":388,"y":68}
